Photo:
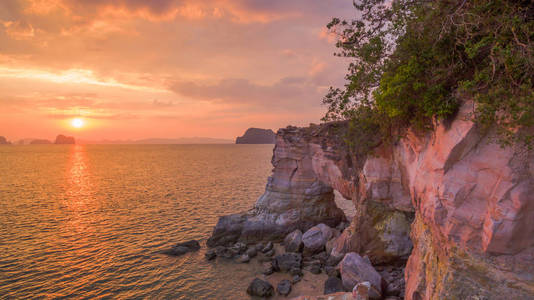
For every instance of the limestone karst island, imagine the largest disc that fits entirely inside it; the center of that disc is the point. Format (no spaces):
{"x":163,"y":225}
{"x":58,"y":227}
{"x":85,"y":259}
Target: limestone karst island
{"x":282,"y":149}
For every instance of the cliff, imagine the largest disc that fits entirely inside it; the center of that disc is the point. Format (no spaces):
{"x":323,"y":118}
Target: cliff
{"x":454,"y":207}
{"x":61,"y":139}
{"x":256,"y":136}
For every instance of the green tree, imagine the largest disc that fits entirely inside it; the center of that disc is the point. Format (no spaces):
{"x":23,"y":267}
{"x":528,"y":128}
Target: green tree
{"x":416,"y":60}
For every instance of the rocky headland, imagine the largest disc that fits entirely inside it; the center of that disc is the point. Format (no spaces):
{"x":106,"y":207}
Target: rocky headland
{"x":256,"y":136}
{"x":61,"y":139}
{"x":445,"y":215}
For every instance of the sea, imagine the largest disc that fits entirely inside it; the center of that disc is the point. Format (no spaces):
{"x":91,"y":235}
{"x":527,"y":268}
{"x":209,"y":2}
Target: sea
{"x":91,"y":221}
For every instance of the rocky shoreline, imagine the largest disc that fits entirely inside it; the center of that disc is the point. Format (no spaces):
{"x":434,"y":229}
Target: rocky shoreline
{"x":447,"y":215}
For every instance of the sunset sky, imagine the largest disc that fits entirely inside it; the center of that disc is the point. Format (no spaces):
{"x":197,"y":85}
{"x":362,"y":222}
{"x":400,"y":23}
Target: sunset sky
{"x":135,"y":69}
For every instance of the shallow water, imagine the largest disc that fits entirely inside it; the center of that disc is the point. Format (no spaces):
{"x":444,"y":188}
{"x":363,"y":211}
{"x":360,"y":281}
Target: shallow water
{"x":88,"y":221}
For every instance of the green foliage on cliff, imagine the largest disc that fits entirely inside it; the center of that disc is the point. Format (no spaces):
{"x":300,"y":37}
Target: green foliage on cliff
{"x":414,"y":61}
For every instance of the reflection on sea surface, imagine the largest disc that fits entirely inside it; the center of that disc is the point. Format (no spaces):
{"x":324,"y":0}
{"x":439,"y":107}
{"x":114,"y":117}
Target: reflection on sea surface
{"x":88,"y":221}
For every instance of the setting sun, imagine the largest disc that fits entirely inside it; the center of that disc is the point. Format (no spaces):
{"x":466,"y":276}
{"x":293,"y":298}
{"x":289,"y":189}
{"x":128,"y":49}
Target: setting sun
{"x":77,"y":123}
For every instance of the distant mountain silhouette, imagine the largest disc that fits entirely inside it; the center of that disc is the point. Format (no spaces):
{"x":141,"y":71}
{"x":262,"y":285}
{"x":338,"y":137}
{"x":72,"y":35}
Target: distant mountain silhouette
{"x":62,"y":139}
{"x":4,"y":141}
{"x":165,"y":141}
{"x":40,"y":142}
{"x":256,"y":136}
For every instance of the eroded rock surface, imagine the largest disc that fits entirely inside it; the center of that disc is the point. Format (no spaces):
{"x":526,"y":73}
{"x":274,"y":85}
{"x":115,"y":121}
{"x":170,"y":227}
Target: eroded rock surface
{"x":459,"y":206}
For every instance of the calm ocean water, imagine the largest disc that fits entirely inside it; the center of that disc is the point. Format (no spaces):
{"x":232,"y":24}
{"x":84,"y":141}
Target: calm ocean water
{"x":88,"y":221}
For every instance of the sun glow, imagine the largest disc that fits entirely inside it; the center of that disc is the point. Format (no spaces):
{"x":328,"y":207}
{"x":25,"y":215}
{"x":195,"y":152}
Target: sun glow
{"x":77,"y":123}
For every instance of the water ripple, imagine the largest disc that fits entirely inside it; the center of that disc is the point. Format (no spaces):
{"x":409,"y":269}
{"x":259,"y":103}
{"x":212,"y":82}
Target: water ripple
{"x":89,"y":222}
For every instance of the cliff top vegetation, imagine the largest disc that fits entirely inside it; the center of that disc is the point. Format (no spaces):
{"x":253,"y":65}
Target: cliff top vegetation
{"x":415,"y":61}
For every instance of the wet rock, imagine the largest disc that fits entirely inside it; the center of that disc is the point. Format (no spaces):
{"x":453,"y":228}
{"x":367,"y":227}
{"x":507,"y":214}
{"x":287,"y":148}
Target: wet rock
{"x":251,"y":252}
{"x":260,"y":288}
{"x":267,"y":268}
{"x":243,"y":258}
{"x":314,"y":240}
{"x":333,"y":285}
{"x":210,"y":254}
{"x":183,"y":248}
{"x":285,"y":262}
{"x":355,"y":269}
{"x":268,"y":247}
{"x":293,"y":241}
{"x":284,"y":287}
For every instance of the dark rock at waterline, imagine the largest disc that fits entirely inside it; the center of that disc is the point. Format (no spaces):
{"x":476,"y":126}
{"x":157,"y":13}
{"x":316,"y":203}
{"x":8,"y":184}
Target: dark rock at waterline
{"x":183,"y":248}
{"x":284,"y":287}
{"x":285,"y":262}
{"x":260,"y":288}
{"x":333,"y":285}
{"x":210,"y":254}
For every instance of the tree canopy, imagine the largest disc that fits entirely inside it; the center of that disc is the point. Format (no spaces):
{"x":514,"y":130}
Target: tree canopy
{"x":414,"y":61}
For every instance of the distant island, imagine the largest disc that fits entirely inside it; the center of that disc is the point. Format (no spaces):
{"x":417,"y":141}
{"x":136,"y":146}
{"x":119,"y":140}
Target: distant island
{"x":4,"y":141}
{"x":256,"y":136}
{"x":40,"y":142}
{"x":62,"y":139}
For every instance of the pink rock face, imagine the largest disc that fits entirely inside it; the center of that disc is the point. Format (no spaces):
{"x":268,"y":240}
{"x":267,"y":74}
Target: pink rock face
{"x":475,"y":201}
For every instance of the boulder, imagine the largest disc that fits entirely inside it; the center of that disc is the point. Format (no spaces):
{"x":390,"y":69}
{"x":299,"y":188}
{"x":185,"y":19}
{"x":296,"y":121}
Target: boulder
{"x":260,"y":288}
{"x":285,"y":262}
{"x":314,"y":240}
{"x":355,"y":269}
{"x":251,"y":252}
{"x":243,"y":258}
{"x":293,"y":241}
{"x":183,"y":248}
{"x":333,"y":285}
{"x":284,"y":287}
